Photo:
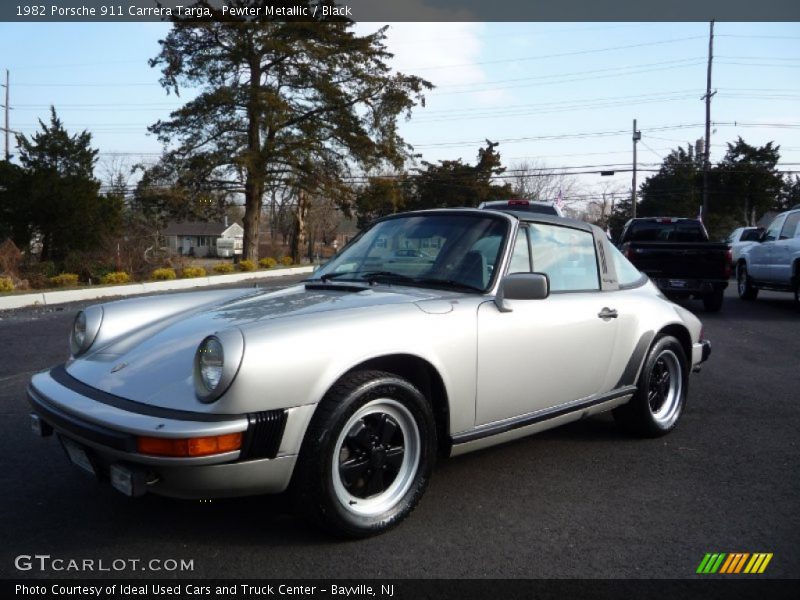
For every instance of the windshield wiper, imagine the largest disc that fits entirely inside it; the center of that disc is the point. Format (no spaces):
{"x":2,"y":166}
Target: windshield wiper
{"x":328,"y":276}
{"x":374,"y":276}
{"x":424,"y":281}
{"x":448,"y":283}
{"x":367,"y":276}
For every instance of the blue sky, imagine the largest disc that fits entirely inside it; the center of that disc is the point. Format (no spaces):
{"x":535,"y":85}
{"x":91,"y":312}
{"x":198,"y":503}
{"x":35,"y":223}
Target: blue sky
{"x":558,"y":94}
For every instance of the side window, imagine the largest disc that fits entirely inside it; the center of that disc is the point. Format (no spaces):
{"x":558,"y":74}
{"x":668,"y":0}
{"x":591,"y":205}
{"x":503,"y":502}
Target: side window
{"x":774,"y":228}
{"x":521,"y":256}
{"x":566,"y":255}
{"x":751,"y":235}
{"x":627,"y":274}
{"x":790,"y":226}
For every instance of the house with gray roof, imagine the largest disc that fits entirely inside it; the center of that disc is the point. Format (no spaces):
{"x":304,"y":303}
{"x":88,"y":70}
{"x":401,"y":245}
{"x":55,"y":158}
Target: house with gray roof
{"x":196,"y":238}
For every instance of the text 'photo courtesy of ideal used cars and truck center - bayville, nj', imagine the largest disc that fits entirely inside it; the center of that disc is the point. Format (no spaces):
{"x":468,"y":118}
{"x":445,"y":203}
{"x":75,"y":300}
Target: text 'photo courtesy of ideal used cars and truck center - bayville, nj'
{"x":461,"y":293}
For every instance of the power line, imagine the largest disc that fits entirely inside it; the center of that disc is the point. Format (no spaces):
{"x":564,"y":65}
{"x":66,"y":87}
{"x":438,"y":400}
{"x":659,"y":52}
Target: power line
{"x":610,"y":133}
{"x":747,"y":64}
{"x":540,"y":81}
{"x":562,"y":136}
{"x":107,"y":84}
{"x":558,"y":55}
{"x":651,"y":150}
{"x":6,"y":110}
{"x":771,"y":37}
{"x":487,"y":114}
{"x":793,"y":59}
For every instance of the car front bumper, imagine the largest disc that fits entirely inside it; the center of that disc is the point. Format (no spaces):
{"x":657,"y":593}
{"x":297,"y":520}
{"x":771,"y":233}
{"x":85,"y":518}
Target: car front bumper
{"x":102,"y":438}
{"x":700,"y":353}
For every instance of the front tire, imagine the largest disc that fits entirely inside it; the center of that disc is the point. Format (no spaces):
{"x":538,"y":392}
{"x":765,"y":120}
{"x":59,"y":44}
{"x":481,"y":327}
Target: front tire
{"x":743,"y":284}
{"x":658,"y":403}
{"x":367,"y":455}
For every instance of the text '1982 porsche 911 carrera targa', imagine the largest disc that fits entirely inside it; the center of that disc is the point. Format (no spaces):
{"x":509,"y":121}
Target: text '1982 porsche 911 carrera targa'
{"x":430,"y":334}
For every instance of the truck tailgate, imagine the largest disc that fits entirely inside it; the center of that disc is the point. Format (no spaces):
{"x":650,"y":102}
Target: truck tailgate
{"x":677,"y":260}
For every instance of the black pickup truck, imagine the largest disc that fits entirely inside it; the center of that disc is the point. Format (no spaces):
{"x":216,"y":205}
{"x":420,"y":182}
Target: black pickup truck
{"x":678,"y":257}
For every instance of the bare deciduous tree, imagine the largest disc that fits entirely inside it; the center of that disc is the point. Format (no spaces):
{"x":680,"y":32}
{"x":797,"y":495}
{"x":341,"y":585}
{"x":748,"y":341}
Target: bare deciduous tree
{"x":534,"y":180}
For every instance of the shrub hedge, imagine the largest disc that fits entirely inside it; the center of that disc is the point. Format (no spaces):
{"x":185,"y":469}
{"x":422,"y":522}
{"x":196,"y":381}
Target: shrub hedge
{"x":164,"y":274}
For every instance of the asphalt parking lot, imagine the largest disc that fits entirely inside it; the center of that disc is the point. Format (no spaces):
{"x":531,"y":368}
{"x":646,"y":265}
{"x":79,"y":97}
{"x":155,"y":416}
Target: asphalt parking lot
{"x":582,"y":501}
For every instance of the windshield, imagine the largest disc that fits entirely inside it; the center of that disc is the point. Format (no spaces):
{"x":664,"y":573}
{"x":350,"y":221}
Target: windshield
{"x":458,"y":251}
{"x":666,"y":231}
{"x":522,"y":206}
{"x":751,"y":235}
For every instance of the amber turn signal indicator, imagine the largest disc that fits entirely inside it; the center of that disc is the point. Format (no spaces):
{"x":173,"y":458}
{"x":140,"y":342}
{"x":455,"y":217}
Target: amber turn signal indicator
{"x":201,"y":446}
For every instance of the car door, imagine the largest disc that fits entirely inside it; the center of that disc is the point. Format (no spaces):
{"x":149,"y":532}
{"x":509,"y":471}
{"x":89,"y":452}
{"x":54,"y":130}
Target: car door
{"x":760,"y":262}
{"x":545,"y":352}
{"x":785,"y":249}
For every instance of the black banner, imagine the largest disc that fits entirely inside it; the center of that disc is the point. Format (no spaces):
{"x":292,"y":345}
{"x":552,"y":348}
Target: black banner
{"x":400,"y":10}
{"x":368,"y":589}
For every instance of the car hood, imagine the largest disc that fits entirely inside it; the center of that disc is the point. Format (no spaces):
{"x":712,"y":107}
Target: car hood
{"x":154,"y":363}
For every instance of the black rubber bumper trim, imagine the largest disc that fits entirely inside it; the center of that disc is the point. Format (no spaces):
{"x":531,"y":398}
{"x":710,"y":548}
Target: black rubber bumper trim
{"x":525,"y":420}
{"x":60,"y":375}
{"x":264,"y":434}
{"x":706,"y":350}
{"x":69,"y":424}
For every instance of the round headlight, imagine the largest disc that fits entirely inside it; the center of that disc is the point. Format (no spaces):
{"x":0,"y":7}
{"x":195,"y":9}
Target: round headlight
{"x":211,"y":359}
{"x":78,"y":333}
{"x":216,"y":363}
{"x":85,"y":329}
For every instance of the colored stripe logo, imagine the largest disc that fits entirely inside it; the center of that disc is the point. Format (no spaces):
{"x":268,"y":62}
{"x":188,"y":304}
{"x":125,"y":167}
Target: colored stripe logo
{"x":734,"y":563}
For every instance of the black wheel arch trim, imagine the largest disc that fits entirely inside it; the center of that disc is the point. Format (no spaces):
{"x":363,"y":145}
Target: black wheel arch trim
{"x":631,"y":371}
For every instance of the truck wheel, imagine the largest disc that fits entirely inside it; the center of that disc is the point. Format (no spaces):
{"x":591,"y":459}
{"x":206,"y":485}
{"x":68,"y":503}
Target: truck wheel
{"x":658,"y":402}
{"x":713,"y":301}
{"x":367,"y":456}
{"x":744,"y":285}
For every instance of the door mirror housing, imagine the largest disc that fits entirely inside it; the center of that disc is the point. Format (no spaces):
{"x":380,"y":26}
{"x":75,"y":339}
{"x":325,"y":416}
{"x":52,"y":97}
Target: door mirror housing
{"x":521,"y":286}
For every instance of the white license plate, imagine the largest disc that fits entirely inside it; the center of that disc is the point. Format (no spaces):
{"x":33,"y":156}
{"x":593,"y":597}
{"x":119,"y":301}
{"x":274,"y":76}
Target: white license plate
{"x":677,"y":283}
{"x":78,"y":456}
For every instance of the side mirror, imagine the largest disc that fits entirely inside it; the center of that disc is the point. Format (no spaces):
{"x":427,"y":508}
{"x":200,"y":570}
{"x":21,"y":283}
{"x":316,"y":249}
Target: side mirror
{"x":521,"y":286}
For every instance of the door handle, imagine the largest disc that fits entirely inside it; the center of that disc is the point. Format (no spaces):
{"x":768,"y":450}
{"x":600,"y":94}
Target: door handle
{"x":607,"y":313}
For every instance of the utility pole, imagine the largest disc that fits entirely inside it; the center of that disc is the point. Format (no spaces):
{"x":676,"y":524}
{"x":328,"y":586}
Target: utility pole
{"x":637,"y":135}
{"x":707,"y":98}
{"x":6,"y":129}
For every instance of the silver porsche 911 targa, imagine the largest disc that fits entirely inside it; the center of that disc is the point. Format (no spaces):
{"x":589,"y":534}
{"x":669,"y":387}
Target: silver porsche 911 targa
{"x":431,"y":334}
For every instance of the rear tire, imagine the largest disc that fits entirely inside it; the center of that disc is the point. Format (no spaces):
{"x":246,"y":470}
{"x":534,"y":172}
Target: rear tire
{"x":713,"y":302}
{"x":367,"y":456}
{"x":658,"y":403}
{"x":744,"y":285}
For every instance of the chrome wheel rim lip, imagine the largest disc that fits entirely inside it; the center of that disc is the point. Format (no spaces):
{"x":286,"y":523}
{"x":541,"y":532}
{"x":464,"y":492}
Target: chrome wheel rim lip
{"x":393,"y":493}
{"x":665,"y":388}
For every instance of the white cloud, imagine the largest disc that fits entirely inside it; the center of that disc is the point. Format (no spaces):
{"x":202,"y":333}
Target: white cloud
{"x":442,"y":53}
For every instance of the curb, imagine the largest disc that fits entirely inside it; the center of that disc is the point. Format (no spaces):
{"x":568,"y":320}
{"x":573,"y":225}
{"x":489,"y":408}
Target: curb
{"x":133,"y":289}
